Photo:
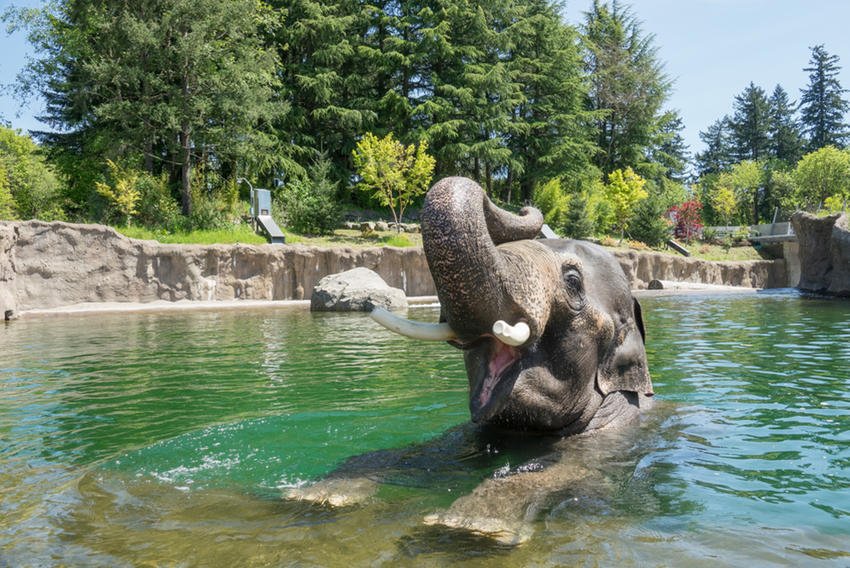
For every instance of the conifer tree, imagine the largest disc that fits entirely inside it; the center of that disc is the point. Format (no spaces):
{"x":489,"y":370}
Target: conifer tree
{"x":822,"y":105}
{"x":317,"y":45}
{"x":669,"y":152}
{"x":551,"y":137}
{"x":750,"y":125}
{"x":717,"y":156}
{"x":786,"y":142}
{"x":166,"y":84}
{"x":628,"y":85}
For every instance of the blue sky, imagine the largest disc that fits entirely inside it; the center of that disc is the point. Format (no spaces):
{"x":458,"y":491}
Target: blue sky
{"x":712,"y":49}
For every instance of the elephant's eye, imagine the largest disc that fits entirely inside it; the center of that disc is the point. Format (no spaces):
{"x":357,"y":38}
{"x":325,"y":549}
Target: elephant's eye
{"x":573,"y":286}
{"x":573,"y":282}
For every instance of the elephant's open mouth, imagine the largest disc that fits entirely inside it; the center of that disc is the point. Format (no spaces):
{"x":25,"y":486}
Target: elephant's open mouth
{"x":491,"y":390}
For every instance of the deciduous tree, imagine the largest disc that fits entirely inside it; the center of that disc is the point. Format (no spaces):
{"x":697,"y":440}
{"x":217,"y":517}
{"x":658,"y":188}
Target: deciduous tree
{"x":393,"y":172}
{"x":822,"y":174}
{"x":624,"y":190}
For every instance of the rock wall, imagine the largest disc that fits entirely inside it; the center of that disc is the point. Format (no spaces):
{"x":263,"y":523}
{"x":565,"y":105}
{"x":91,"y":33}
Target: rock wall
{"x":643,"y":267}
{"x":824,"y":253}
{"x":44,"y":265}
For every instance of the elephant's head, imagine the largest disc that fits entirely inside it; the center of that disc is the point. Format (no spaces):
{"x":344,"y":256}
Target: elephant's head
{"x":549,"y":328}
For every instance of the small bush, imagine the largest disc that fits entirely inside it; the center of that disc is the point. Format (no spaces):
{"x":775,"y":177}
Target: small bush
{"x":649,"y":225}
{"x":710,"y":236}
{"x":552,"y":202}
{"x":157,"y":208}
{"x":310,"y":206}
{"x":577,"y":223}
{"x":741,"y":235}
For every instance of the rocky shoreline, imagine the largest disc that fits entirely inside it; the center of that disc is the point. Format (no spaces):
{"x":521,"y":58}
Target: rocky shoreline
{"x":50,"y":265}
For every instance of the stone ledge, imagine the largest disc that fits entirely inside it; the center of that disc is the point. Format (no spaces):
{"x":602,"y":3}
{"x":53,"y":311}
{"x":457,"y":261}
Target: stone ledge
{"x":48,"y":265}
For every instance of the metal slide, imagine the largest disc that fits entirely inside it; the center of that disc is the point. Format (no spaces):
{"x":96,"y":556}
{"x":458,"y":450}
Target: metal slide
{"x":261,"y":206}
{"x":270,"y":228}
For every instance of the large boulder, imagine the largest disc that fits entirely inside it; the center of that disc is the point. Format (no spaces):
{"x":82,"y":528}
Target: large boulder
{"x":814,"y":235}
{"x":8,"y":302}
{"x":358,"y":289}
{"x":840,"y":251}
{"x":824,"y":253}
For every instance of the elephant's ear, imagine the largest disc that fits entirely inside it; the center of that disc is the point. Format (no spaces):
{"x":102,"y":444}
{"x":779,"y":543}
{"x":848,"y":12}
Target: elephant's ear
{"x":624,"y":367}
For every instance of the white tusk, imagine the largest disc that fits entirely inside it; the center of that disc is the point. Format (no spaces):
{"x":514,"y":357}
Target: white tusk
{"x":513,"y":335}
{"x":414,"y":329}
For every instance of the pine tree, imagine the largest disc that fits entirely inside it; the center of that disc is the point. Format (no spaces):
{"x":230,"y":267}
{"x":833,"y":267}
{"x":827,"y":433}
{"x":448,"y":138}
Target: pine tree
{"x":471,"y":94}
{"x":628,"y":85}
{"x":717,"y":156}
{"x":163,"y":84}
{"x":317,"y":43}
{"x":550,"y":137}
{"x":822,"y":106}
{"x":577,"y":222}
{"x":786,"y":142}
{"x":669,"y":152}
{"x":750,"y":125}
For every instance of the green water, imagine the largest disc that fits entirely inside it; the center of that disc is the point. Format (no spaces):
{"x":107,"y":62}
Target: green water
{"x":130,"y":440}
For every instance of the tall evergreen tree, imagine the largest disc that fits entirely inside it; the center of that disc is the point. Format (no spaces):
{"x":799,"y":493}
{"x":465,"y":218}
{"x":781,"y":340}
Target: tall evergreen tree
{"x":170,"y":83}
{"x":786,"y":142}
{"x":317,"y":43}
{"x":551,"y":137}
{"x":467,"y":115}
{"x":750,"y":125}
{"x":628,"y":84}
{"x":669,"y":152}
{"x":822,"y":105}
{"x":717,"y":156}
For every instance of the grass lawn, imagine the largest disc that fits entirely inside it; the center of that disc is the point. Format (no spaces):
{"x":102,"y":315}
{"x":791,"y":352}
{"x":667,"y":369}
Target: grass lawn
{"x":245,"y":235}
{"x":238,"y":234}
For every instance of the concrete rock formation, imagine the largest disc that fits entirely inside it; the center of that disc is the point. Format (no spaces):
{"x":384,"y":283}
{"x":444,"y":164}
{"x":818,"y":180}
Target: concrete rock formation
{"x":47,"y":265}
{"x":824,"y":253}
{"x":355,"y":290}
{"x":641,"y":268}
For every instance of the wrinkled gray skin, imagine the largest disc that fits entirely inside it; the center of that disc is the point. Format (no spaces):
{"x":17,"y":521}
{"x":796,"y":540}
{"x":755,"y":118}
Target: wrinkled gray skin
{"x":582,"y":371}
{"x":584,"y":365}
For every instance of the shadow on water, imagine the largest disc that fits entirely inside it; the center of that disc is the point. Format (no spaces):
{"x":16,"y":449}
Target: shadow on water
{"x":121,"y":516}
{"x":171,"y":440}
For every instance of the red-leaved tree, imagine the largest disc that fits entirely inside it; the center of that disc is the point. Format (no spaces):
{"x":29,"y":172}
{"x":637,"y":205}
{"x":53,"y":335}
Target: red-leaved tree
{"x":687,"y":217}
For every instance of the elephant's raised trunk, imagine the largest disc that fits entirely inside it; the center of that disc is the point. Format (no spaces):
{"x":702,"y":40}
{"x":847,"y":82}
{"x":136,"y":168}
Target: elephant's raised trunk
{"x":460,"y":230}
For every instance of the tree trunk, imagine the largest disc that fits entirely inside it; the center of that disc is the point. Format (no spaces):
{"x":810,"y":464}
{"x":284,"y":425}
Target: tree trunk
{"x":186,"y":169}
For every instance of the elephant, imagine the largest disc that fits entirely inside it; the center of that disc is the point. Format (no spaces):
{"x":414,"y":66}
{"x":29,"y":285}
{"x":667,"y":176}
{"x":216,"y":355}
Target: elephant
{"x":553,"y":345}
{"x":552,"y":338}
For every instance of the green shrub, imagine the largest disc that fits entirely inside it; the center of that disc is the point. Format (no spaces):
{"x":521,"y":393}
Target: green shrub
{"x":710,"y":236}
{"x":7,"y":203}
{"x":649,"y":225}
{"x":577,"y":223}
{"x":157,"y":208}
{"x":121,"y":193}
{"x":32,"y":183}
{"x":310,"y":206}
{"x":550,"y":199}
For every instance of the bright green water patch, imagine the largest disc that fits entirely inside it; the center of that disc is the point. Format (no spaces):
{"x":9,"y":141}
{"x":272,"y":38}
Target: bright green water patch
{"x":169,"y":439}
